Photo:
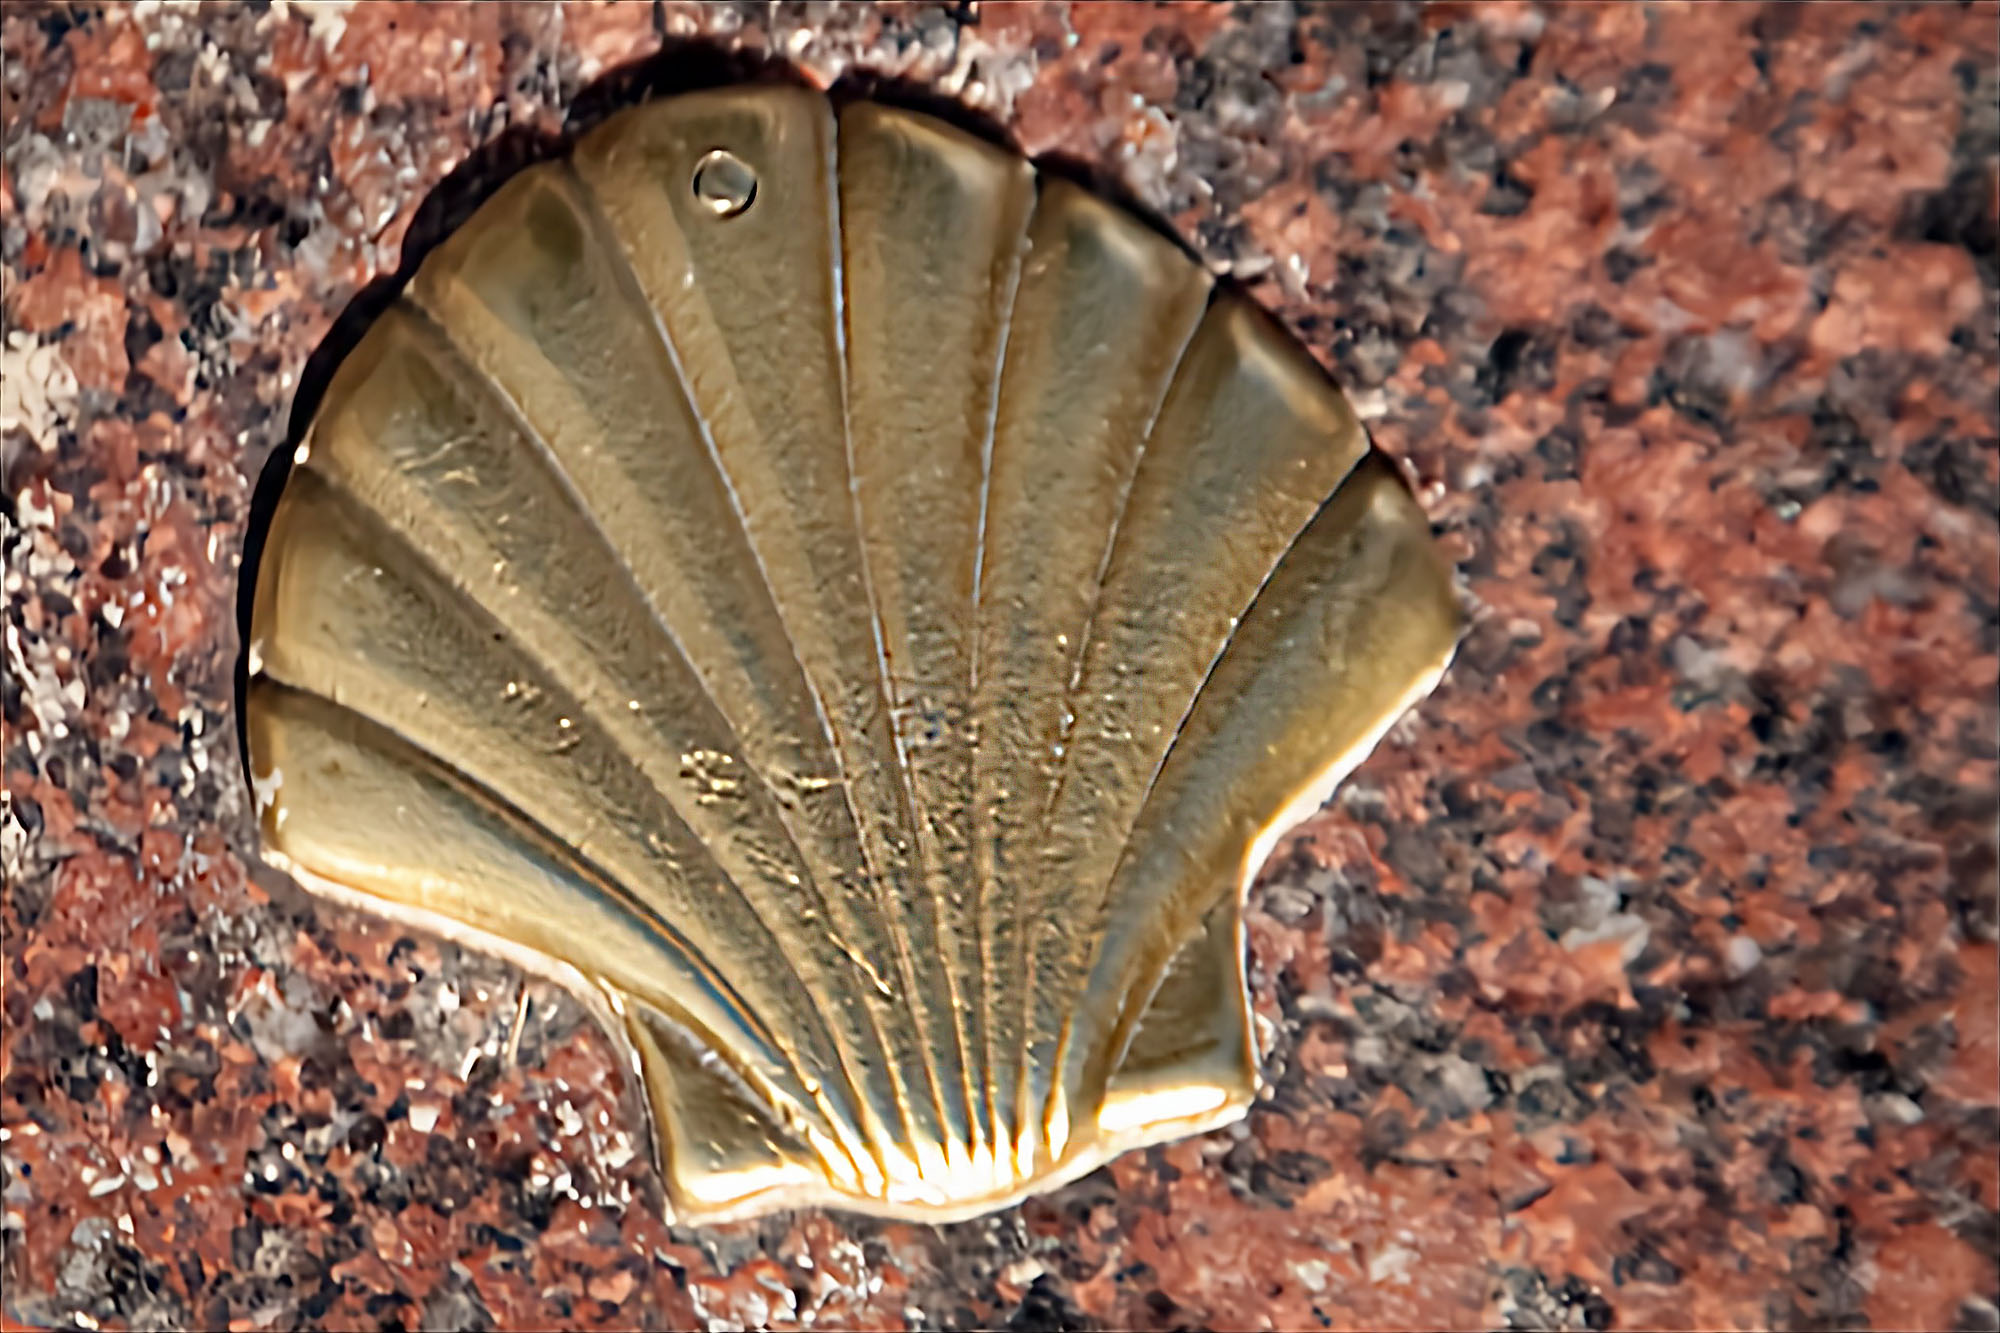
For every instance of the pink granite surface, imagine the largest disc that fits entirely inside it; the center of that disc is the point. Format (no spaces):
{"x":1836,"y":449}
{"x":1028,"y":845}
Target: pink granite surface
{"x":1646,"y":979}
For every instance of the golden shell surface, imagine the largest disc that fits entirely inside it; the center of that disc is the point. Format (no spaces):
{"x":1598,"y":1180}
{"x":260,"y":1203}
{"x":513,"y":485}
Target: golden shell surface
{"x":858,"y":614}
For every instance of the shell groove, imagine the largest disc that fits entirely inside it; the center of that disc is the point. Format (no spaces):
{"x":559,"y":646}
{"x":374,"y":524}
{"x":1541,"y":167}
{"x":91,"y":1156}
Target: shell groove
{"x":858,"y":613}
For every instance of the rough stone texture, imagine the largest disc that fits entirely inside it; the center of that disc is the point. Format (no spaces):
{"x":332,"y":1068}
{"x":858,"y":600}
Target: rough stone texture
{"x":1647,"y":978}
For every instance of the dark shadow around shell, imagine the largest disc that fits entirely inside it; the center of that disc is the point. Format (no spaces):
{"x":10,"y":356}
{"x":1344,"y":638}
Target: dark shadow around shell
{"x":856,"y":612}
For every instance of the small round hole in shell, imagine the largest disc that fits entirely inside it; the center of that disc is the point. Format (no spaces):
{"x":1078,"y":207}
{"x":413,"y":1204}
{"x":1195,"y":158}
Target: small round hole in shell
{"x":724,"y":183}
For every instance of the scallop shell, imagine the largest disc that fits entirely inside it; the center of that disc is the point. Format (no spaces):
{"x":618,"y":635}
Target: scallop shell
{"x":855,"y":612}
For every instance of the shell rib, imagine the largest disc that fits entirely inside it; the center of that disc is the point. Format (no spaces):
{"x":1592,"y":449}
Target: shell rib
{"x":858,"y":614}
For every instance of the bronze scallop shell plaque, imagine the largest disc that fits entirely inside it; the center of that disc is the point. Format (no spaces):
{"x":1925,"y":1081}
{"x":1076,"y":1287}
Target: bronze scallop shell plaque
{"x":855,"y":612}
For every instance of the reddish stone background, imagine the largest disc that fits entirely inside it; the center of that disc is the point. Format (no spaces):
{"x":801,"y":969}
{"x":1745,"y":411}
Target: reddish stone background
{"x":1645,"y":979}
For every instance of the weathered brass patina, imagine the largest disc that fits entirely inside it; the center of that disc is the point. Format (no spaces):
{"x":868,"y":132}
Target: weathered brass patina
{"x":858,"y":615}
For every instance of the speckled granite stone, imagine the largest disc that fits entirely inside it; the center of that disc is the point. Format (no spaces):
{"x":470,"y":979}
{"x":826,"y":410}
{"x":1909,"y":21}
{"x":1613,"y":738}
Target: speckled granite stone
{"x":1646,"y":978}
